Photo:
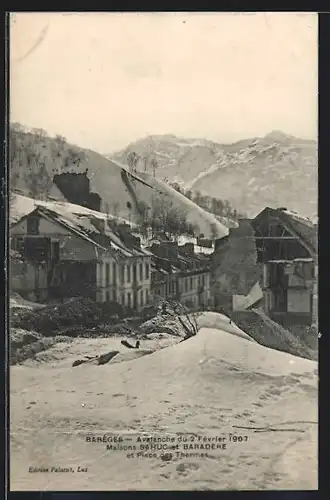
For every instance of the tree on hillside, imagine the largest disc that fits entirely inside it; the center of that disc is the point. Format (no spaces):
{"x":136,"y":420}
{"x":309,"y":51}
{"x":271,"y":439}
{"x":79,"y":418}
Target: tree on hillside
{"x":177,"y":187}
{"x":145,"y":160}
{"x":188,"y":194}
{"x":40,"y":133}
{"x":154,"y":166}
{"x":144,"y":222}
{"x":197,"y":197}
{"x":17,"y":127}
{"x":37,"y":178}
{"x":165,"y":216}
{"x":132,"y":161}
{"x":30,"y":161}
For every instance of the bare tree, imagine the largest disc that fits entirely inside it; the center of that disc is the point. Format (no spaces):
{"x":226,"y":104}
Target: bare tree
{"x":187,"y":319}
{"x":30,"y":161}
{"x":17,"y":127}
{"x":154,"y":166}
{"x":143,"y":209}
{"x":145,"y":163}
{"x":132,"y":161}
{"x":167,"y":217}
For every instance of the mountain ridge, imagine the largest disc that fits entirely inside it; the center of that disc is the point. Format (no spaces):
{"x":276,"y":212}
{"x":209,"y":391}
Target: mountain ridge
{"x":267,"y":165}
{"x":120,"y":191}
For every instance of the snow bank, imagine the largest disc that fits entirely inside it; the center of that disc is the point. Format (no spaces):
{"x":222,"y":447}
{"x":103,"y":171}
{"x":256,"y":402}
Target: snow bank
{"x":221,"y":322}
{"x":214,"y":384}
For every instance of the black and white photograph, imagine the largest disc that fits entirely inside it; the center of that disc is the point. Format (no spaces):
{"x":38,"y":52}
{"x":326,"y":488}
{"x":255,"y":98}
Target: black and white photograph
{"x":163,"y":251}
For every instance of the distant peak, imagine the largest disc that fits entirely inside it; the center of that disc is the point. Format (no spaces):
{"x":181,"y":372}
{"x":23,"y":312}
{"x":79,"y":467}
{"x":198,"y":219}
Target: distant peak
{"x":278,"y":135}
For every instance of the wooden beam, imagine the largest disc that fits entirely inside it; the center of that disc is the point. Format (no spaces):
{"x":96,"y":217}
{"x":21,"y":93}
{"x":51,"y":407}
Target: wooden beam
{"x":276,"y":238}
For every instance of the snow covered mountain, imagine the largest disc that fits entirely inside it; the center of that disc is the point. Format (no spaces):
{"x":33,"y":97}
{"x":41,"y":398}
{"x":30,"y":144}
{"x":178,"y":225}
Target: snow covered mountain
{"x":269,"y":171}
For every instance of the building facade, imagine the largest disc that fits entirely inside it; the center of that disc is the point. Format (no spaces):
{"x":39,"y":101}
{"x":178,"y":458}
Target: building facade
{"x":287,"y":248}
{"x":65,"y":255}
{"x":178,"y":273}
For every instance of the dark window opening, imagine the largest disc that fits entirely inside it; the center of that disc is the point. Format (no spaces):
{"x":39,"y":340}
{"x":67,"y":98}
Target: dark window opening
{"x":147,"y":271}
{"x":55,"y":251}
{"x":107,"y":273}
{"x":33,"y":225}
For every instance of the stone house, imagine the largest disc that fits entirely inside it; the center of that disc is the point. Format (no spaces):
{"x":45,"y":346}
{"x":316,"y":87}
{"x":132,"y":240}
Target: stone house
{"x":65,"y":254}
{"x":287,"y":248}
{"x":178,"y":273}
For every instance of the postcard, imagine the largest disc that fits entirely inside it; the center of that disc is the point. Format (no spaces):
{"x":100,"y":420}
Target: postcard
{"x":163,"y":251}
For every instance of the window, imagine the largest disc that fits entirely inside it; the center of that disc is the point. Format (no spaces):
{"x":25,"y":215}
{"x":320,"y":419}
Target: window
{"x":186,"y":285}
{"x":141,"y":298}
{"x":108,"y":296}
{"x":147,"y":271}
{"x":141,"y":272}
{"x":107,"y":273}
{"x":33,"y":225}
{"x":55,"y":250}
{"x":122,"y":274}
{"x":100,"y":275}
{"x":114,"y":273}
{"x":147,"y":296}
{"x":114,"y":296}
{"x":17,"y":243}
{"x":128,"y":273}
{"x":129,"y":304}
{"x":191,"y":283}
{"x":122,"y":299}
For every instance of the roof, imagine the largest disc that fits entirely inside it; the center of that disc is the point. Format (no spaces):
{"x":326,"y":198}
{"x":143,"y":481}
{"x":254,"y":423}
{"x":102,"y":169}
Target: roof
{"x":299,"y":225}
{"x":82,"y":226}
{"x":23,"y":205}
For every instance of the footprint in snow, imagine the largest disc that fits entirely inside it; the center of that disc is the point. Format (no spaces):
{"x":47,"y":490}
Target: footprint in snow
{"x":184,"y":468}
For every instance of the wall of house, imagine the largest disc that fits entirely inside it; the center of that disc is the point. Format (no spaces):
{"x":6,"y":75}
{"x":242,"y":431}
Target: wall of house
{"x":235,"y":267}
{"x":189,"y":289}
{"x":299,"y":301}
{"x":117,"y":283}
{"x":71,"y":247}
{"x":29,"y":280}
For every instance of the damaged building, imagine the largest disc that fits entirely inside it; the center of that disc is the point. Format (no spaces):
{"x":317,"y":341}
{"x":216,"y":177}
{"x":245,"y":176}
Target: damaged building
{"x":287,"y":248}
{"x":60,"y":254}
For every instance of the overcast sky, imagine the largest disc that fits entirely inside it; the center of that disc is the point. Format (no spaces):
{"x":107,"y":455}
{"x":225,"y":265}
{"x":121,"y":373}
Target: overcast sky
{"x":103,"y":80}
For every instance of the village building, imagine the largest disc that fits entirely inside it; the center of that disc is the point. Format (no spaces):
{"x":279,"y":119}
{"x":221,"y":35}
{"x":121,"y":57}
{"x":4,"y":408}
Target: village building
{"x":58,"y":254}
{"x":179,"y":273}
{"x":287,"y":248}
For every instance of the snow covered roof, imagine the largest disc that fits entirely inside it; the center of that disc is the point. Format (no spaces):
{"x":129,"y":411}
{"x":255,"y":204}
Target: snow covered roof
{"x":22,"y":205}
{"x":82,"y":225}
{"x":303,"y":227}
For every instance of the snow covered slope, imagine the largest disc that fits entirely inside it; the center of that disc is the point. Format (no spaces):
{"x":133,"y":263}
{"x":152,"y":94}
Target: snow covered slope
{"x":199,"y":392}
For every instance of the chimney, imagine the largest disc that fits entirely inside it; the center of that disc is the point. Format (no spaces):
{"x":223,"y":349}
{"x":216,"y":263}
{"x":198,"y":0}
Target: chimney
{"x":166,"y":250}
{"x":188,"y":249}
{"x":171,"y":249}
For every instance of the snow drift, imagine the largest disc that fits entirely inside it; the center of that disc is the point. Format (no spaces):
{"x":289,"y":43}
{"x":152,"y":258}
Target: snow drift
{"x":213,"y":384}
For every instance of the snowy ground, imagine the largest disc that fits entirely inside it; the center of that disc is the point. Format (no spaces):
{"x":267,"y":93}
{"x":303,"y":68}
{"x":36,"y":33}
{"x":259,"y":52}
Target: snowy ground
{"x":215,"y":385}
